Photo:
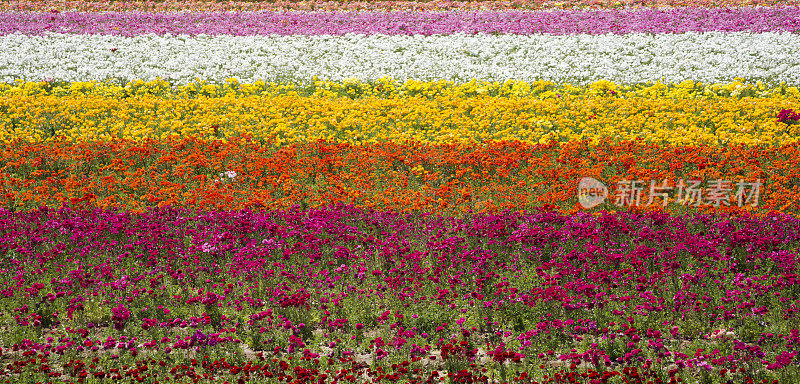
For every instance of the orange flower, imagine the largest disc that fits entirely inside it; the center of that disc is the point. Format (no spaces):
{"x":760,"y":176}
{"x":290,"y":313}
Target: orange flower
{"x":451,"y":178}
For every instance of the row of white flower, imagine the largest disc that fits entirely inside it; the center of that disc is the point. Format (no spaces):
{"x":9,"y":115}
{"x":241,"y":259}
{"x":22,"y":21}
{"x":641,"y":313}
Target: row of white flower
{"x":576,"y":59}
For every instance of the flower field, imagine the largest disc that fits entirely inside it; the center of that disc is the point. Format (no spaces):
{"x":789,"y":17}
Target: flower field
{"x":580,"y":191}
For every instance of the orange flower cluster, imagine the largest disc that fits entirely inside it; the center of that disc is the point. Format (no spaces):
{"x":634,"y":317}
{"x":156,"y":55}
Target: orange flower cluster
{"x":448,"y":178}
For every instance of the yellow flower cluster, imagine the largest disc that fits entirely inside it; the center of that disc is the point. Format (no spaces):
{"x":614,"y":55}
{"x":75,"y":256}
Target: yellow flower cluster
{"x":434,"y":112}
{"x":391,"y":88}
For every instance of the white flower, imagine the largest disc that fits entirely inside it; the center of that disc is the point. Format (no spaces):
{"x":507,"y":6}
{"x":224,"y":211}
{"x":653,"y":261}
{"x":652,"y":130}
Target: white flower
{"x":577,"y":59}
{"x":229,"y":174}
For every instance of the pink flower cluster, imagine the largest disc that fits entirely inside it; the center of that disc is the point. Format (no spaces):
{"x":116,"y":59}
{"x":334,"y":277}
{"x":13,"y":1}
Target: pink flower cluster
{"x":554,"y":22}
{"x":624,"y":290}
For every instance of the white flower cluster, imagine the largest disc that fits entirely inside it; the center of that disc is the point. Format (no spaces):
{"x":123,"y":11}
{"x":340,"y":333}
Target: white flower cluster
{"x":231,"y":176}
{"x":577,"y":59}
{"x":721,"y":333}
